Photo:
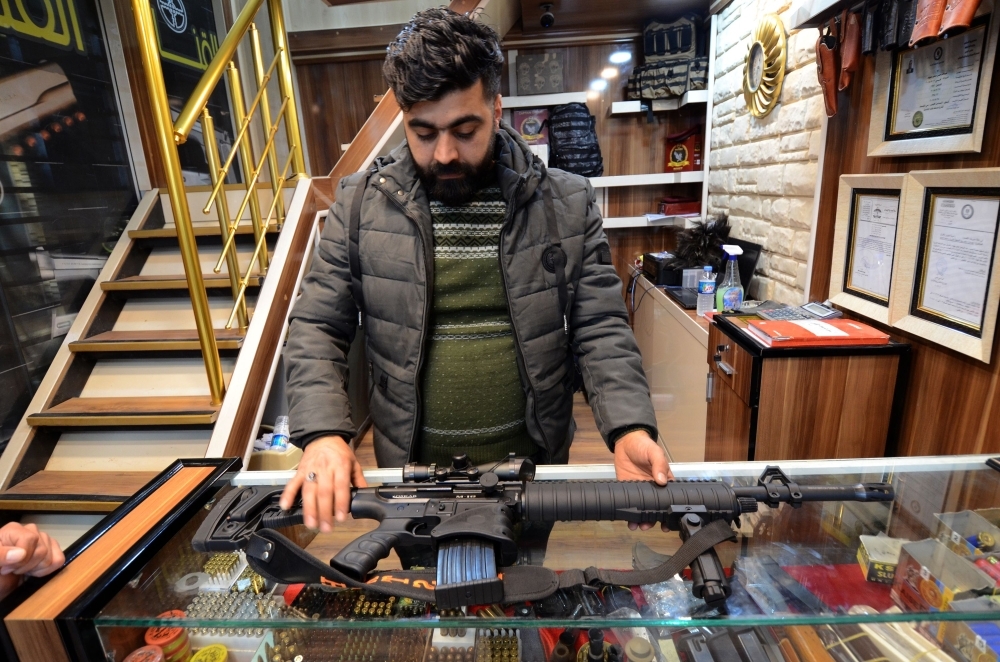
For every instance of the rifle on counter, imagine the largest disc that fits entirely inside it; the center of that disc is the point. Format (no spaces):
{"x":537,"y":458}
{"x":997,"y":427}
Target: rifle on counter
{"x":467,"y":513}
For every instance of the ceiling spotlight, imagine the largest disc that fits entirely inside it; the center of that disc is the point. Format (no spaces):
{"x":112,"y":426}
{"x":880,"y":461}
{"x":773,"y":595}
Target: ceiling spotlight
{"x":620,"y":57}
{"x":598,"y":85}
{"x":609,"y":72}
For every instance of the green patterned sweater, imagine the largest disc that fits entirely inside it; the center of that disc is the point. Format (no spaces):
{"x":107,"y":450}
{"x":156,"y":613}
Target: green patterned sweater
{"x":473,"y":402}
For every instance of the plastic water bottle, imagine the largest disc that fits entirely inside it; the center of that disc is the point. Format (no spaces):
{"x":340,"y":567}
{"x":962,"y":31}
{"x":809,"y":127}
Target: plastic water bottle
{"x":279,"y":439}
{"x":706,"y":291}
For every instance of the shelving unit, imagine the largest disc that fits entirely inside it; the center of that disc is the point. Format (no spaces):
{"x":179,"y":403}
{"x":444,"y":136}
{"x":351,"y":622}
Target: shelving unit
{"x":813,"y":13}
{"x":652,"y":179}
{"x":544,"y":100}
{"x":642,"y":222}
{"x":659,"y":105}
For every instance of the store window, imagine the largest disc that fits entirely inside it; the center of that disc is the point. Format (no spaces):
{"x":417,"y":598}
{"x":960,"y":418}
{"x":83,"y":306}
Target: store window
{"x":66,"y":187}
{"x":189,"y":37}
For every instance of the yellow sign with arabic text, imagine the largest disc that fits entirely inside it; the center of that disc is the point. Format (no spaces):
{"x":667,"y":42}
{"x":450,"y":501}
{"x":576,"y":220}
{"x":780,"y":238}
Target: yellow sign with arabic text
{"x":50,"y":21}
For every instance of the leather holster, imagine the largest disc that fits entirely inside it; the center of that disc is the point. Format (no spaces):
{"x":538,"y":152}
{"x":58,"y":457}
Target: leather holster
{"x":957,"y":17}
{"x":927,"y":22}
{"x":889,"y":25}
{"x":827,"y":71}
{"x":907,"y":15}
{"x":850,"y":48}
{"x":869,"y":27}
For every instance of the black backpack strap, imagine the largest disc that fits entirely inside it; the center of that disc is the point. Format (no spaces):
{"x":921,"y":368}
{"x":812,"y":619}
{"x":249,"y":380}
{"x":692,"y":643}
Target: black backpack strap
{"x":554,"y":259}
{"x":354,"y":232}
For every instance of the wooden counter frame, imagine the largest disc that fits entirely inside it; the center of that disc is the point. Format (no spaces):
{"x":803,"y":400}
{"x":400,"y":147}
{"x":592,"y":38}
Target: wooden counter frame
{"x":842,"y":243}
{"x":905,"y":268}
{"x":52,"y":619}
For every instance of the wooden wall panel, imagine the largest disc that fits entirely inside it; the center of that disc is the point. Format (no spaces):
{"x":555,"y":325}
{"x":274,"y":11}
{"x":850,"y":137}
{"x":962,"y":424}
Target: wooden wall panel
{"x":952,"y":404}
{"x":336,"y":98}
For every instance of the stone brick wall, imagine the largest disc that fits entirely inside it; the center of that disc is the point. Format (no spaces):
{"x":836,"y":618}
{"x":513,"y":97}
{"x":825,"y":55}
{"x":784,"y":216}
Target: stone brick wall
{"x":763,"y":172}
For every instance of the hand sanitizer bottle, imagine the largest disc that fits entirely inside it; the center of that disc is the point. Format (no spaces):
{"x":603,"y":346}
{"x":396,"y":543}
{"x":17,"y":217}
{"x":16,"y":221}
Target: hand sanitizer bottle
{"x":729,"y":295}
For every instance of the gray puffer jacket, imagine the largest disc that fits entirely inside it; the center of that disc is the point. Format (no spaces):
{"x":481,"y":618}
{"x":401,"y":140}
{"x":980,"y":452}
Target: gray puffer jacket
{"x":396,"y":249}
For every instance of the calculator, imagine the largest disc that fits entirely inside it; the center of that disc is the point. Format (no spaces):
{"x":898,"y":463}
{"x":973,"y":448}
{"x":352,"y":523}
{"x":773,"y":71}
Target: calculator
{"x":810,"y":311}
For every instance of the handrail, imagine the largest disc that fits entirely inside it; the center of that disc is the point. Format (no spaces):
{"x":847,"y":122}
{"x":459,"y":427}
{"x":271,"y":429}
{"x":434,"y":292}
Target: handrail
{"x":169,"y":134}
{"x":244,"y":125}
{"x":160,"y":106}
{"x":251,"y":186}
{"x":260,"y":243}
{"x":213,"y":73}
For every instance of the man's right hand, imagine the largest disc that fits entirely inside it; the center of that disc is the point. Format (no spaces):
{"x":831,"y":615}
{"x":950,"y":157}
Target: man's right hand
{"x":332,"y":462}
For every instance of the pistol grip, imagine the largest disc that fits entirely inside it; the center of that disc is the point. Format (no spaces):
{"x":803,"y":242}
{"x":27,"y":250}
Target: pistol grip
{"x":362,"y":555}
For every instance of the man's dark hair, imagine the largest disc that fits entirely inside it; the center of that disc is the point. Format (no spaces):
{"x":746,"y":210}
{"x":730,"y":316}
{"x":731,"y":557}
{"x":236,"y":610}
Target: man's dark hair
{"x":440,"y":51}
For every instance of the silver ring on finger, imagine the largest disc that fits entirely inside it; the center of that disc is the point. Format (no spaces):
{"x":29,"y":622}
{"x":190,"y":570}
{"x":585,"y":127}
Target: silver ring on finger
{"x":311,"y":476}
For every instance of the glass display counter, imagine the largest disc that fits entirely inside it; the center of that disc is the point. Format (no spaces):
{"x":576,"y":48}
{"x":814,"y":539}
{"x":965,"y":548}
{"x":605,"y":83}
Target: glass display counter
{"x":826,"y":581}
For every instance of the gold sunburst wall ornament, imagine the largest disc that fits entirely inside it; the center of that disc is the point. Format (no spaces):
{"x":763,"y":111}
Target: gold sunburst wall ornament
{"x":764,"y":69}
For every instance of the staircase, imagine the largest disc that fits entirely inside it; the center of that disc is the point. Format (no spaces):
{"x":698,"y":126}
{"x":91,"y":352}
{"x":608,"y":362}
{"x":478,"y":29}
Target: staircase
{"x":160,"y":363}
{"x":127,"y":393}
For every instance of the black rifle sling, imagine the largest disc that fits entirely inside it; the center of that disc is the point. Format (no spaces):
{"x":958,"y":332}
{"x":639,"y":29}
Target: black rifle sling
{"x":278,"y":559}
{"x":354,"y":233}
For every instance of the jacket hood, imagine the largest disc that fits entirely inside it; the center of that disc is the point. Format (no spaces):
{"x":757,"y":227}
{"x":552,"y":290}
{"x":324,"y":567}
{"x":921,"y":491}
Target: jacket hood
{"x":514,"y":160}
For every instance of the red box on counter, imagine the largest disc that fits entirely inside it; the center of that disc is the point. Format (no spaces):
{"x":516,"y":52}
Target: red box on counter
{"x":684,"y":150}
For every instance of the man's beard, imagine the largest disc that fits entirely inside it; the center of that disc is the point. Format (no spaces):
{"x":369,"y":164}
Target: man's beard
{"x":457,"y":190}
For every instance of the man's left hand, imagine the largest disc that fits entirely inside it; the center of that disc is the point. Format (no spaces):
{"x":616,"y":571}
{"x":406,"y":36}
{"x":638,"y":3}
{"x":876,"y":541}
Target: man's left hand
{"x":638,"y":457}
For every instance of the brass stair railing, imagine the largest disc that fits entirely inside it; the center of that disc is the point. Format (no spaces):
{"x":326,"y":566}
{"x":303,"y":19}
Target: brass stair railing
{"x":169,"y":134}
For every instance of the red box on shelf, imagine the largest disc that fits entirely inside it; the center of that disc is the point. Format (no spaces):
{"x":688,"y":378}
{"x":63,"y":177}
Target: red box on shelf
{"x":679,"y":206}
{"x":684,"y":150}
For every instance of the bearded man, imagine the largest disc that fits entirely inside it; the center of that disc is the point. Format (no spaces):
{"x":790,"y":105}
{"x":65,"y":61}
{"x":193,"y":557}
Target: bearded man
{"x":485,"y":286}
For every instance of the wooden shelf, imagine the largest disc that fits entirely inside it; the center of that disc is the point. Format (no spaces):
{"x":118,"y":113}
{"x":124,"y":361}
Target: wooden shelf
{"x":616,"y":222}
{"x":652,"y":179}
{"x":659,"y":105}
{"x":813,"y":13}
{"x":543,"y":100}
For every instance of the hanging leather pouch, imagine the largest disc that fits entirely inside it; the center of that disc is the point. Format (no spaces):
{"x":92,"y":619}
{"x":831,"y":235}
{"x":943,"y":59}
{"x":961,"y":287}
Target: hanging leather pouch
{"x":827,"y":68}
{"x":927,"y":22}
{"x":889,"y":25}
{"x":958,"y":15}
{"x":869,"y":27}
{"x":850,"y":48}
{"x":907,"y":15}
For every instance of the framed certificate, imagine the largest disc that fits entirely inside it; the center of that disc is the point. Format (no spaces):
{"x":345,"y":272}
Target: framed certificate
{"x":957,"y":247}
{"x":947,"y":271}
{"x":864,"y":248}
{"x":932,"y":99}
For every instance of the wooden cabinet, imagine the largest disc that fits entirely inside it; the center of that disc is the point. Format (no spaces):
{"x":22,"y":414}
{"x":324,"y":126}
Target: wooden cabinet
{"x":780,"y":404}
{"x":673,"y":346}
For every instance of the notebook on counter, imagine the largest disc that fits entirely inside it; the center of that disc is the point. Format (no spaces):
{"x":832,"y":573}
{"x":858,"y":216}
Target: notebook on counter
{"x":815,"y":333}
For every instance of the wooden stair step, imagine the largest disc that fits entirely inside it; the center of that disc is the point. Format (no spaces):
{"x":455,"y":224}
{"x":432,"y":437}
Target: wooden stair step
{"x":154,"y":341}
{"x":245,"y":228}
{"x":115,"y":412}
{"x":75,"y":491}
{"x":152,"y":283}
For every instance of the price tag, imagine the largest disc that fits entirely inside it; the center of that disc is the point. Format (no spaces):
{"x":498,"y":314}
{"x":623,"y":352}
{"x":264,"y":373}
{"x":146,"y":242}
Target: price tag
{"x":980,"y":644}
{"x":925,"y":572}
{"x":955,"y":538}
